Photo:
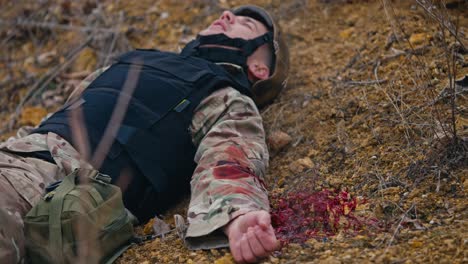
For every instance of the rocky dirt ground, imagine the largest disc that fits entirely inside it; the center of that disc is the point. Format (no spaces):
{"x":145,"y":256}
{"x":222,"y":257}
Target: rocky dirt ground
{"x":364,"y":132}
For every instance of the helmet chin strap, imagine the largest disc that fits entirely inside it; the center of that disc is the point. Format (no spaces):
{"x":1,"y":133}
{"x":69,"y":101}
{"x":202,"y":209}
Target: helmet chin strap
{"x":240,"y":49}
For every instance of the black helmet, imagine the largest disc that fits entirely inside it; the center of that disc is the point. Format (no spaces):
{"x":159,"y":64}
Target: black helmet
{"x":264,"y":91}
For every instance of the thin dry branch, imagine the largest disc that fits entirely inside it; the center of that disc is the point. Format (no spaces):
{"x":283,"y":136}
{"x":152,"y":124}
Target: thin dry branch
{"x":451,"y":68}
{"x":115,"y":36}
{"x":398,"y":227}
{"x":442,"y":96}
{"x":390,"y":99}
{"x":367,"y":82}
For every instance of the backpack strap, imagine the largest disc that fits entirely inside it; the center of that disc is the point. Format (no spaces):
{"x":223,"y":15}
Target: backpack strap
{"x":118,"y":253}
{"x":55,"y":214}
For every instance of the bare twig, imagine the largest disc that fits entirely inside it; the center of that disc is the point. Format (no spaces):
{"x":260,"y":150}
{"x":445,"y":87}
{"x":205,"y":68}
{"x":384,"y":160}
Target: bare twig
{"x":405,"y":123}
{"x":438,"y":180}
{"x":451,"y":72}
{"x":352,"y":61}
{"x":115,"y":36}
{"x":398,"y":227}
{"x":280,"y":112}
{"x":367,"y":82}
{"x":397,"y":53}
{"x":453,"y":98}
{"x":442,"y":96}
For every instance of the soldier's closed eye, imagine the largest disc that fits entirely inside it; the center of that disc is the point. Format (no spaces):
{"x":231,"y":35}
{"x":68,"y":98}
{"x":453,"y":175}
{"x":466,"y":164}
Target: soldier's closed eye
{"x":250,"y":24}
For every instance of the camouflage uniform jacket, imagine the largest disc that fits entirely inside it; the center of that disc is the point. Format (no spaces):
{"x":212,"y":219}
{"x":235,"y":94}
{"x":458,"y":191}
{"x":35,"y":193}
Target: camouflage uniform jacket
{"x":231,"y":155}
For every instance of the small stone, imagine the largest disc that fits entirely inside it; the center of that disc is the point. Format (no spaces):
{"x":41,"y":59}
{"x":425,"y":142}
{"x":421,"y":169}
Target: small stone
{"x":46,"y":58}
{"x":226,"y":259}
{"x":277,"y":140}
{"x":306,"y":162}
{"x":313,"y":243}
{"x":214,"y":252}
{"x":418,"y":38}
{"x":273,"y":260}
{"x":345,"y":34}
{"x":164,"y":15}
{"x":392,"y":190}
{"x":160,"y":227}
{"x":312,"y":153}
{"x":415,"y":243}
{"x":301,"y":164}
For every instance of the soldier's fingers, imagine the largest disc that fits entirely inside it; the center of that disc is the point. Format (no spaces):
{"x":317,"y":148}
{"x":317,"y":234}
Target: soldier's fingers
{"x":267,"y":238}
{"x":236,"y":251}
{"x":264,"y":220}
{"x":255,"y":245}
{"x":247,"y":253}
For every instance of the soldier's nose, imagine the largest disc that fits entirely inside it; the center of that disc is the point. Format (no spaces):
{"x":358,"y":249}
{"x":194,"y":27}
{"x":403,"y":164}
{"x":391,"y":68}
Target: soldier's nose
{"x":228,"y":16}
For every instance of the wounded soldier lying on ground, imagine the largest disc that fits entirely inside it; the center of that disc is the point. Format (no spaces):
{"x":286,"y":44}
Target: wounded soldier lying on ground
{"x":162,"y":125}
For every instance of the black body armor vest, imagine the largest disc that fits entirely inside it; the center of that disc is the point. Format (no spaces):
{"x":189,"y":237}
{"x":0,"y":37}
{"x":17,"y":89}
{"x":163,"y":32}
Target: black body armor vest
{"x":152,"y":156}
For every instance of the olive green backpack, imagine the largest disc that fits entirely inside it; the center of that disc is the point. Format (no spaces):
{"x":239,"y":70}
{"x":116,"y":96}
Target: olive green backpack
{"x":79,"y":222}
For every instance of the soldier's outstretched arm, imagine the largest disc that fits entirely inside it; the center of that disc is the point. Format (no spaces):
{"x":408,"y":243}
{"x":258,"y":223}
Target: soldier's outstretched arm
{"x":228,"y":189}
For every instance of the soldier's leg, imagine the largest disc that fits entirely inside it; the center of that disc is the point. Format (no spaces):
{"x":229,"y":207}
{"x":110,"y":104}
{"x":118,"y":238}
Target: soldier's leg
{"x":22,"y":183}
{"x":12,"y":208}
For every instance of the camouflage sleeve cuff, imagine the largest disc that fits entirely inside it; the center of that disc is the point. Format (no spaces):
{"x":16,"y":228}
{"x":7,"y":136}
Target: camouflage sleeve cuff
{"x":207,"y":234}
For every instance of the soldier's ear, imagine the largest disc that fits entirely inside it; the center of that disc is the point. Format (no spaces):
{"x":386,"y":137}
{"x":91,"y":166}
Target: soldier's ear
{"x":258,"y":70}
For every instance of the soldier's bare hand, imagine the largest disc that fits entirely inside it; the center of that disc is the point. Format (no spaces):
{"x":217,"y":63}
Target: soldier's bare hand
{"x":251,"y":237}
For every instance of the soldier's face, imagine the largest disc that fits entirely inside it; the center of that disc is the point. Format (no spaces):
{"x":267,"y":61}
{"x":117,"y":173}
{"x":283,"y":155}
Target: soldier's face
{"x":235,"y":26}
